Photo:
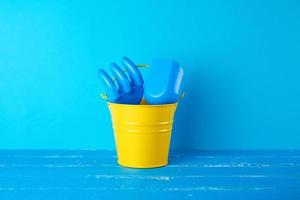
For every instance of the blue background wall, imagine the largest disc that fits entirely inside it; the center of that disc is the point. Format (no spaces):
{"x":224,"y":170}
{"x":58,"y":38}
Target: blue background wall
{"x":241,"y":60}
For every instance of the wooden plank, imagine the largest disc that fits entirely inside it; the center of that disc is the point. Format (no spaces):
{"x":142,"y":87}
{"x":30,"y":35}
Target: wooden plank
{"x":191,"y":175}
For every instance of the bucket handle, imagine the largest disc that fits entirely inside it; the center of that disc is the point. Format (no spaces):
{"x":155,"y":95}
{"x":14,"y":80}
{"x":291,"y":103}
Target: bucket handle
{"x":105,"y":97}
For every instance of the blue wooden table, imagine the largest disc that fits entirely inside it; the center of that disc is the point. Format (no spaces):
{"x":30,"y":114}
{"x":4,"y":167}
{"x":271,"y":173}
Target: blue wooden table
{"x":190,"y":175}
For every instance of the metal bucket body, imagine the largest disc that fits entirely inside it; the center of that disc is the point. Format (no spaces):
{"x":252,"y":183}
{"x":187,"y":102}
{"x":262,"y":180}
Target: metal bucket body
{"x":142,"y":133}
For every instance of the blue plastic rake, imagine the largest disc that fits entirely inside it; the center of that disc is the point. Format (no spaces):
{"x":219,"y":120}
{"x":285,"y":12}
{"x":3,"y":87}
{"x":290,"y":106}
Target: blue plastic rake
{"x":127,"y":90}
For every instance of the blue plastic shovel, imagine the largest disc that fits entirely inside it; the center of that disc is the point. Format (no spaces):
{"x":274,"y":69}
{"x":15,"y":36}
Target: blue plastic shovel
{"x":165,"y":82}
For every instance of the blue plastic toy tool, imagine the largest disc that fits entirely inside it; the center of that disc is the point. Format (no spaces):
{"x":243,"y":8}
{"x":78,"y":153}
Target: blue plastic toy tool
{"x":165,"y":82}
{"x":129,"y":89}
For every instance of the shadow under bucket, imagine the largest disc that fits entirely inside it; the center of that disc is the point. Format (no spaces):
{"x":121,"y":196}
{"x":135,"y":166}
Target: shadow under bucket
{"x":142,"y":133}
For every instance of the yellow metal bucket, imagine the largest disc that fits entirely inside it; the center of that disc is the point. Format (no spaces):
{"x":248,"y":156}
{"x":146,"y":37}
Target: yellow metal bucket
{"x":142,"y":133}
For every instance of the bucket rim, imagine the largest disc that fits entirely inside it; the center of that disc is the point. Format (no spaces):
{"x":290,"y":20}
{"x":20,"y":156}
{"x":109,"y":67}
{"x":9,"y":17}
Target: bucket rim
{"x":142,"y":106}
